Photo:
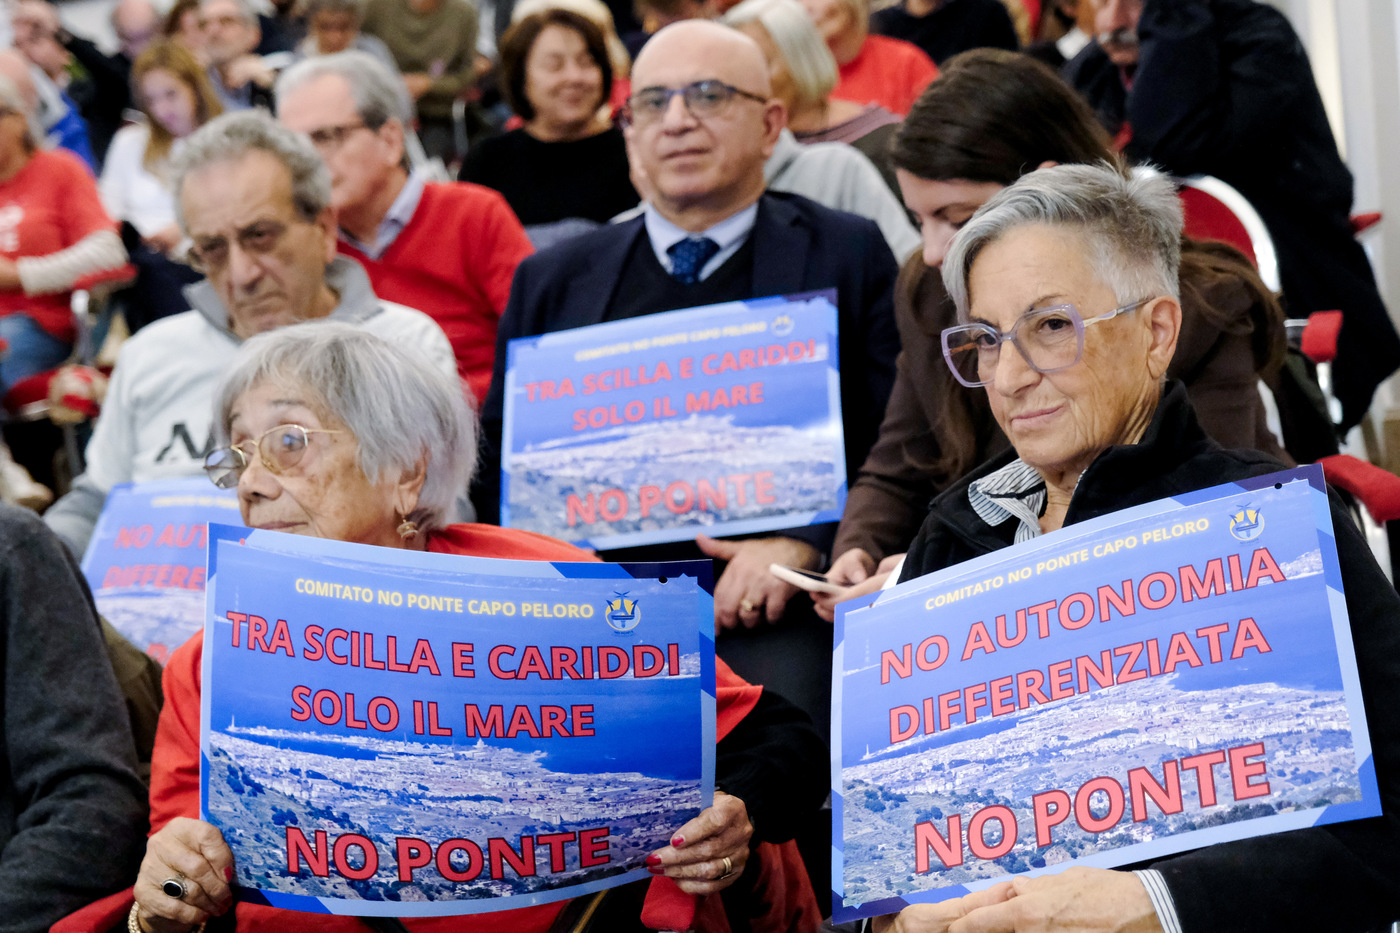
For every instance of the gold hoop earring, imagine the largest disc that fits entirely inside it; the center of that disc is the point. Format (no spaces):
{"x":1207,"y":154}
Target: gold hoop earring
{"x":408,"y":530}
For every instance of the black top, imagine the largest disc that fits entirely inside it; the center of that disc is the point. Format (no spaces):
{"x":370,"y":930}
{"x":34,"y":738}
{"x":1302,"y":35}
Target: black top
{"x":547,"y":182}
{"x":1340,"y":877}
{"x":1224,"y":88}
{"x":956,"y":26}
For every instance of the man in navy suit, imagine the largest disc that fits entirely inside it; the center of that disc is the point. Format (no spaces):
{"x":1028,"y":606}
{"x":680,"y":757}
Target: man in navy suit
{"x":701,"y":124}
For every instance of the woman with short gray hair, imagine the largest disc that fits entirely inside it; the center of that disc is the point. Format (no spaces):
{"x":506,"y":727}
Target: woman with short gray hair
{"x":331,"y":432}
{"x":804,"y":75}
{"x":1067,"y":319}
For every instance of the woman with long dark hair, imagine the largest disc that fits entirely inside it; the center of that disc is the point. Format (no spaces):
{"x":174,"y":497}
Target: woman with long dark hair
{"x":991,"y":117}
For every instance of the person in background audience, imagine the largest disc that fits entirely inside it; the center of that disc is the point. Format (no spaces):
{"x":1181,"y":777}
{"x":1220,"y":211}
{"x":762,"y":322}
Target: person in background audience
{"x":1224,"y":88}
{"x":943,"y":28}
{"x":334,"y":26}
{"x":53,"y":231}
{"x":74,"y":809}
{"x":990,"y":118}
{"x":709,"y":233}
{"x":434,"y":44}
{"x":255,"y":199}
{"x":176,"y":97}
{"x":56,"y":119}
{"x":449,"y":249}
{"x":566,"y":169}
{"x":231,"y":34}
{"x":1062,"y":36}
{"x":601,"y":16}
{"x":182,"y":25}
{"x":283,"y":30}
{"x":872,"y":69}
{"x":656,"y":15}
{"x":102,"y":93}
{"x":804,"y":75}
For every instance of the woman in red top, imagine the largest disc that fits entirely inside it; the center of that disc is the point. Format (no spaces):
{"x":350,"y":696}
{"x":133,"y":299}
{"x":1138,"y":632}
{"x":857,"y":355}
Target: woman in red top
{"x":53,"y":231}
{"x":335,"y":433}
{"x":889,"y":73}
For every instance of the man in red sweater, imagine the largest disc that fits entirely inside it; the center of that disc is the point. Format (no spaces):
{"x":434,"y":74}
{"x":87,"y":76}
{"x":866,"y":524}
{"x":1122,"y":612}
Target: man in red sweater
{"x":448,"y":249}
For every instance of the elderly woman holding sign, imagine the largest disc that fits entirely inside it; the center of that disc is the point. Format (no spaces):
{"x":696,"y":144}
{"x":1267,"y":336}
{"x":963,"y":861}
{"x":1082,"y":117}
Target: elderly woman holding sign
{"x":1065,"y":286}
{"x":334,"y":433}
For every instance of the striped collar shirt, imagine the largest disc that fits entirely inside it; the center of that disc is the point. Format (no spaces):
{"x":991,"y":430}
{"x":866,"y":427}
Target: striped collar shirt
{"x":1015,"y":491}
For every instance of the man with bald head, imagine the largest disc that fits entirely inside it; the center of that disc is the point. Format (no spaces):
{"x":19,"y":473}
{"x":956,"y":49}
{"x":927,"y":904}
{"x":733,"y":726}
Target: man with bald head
{"x":700,"y":124}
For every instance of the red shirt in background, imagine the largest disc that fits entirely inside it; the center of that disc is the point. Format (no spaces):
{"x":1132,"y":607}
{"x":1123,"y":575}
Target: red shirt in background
{"x":49,"y":205}
{"x":889,"y":72}
{"x":454,"y":262}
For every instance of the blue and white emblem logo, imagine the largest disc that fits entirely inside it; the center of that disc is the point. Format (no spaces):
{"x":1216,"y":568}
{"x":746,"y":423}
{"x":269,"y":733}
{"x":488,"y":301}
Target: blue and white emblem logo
{"x":622,"y":614}
{"x":1247,"y":523}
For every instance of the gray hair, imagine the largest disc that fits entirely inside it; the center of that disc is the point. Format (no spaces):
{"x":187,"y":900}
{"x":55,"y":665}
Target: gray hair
{"x":309,"y":8}
{"x":234,"y":135}
{"x":246,"y":11}
{"x":380,"y":95}
{"x":1131,"y":227}
{"x":12,"y":99}
{"x":401,"y":410}
{"x":804,"y":51}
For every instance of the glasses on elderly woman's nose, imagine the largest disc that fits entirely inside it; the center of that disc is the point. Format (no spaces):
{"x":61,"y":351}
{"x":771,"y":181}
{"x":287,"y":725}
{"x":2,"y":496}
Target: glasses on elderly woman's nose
{"x":1048,"y":339}
{"x":279,"y":449}
{"x":702,"y":98}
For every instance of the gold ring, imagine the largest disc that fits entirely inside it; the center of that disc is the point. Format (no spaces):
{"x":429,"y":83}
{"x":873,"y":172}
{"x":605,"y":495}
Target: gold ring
{"x":728,"y":869}
{"x":747,"y":606}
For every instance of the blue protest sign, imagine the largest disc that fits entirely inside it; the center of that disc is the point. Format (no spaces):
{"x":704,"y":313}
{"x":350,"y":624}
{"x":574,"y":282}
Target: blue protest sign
{"x":395,"y":733}
{"x":145,"y":560}
{"x":1166,"y":677}
{"x":724,"y":419}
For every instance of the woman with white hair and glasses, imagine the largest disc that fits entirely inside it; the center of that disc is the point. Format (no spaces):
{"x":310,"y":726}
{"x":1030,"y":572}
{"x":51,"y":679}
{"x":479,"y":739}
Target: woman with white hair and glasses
{"x":1068,"y":313}
{"x":330,"y":432}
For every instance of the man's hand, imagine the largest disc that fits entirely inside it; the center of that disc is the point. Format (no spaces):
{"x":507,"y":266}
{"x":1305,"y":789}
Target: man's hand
{"x":417,"y":83}
{"x":938,"y":918}
{"x":746,"y":592}
{"x":1091,"y":900}
{"x":248,"y":69}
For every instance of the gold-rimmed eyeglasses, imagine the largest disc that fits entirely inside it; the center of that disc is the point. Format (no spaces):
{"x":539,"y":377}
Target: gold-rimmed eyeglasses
{"x":279,"y":449}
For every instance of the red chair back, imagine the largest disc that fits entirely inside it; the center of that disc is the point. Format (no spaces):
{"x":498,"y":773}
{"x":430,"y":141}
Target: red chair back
{"x":1214,"y":211}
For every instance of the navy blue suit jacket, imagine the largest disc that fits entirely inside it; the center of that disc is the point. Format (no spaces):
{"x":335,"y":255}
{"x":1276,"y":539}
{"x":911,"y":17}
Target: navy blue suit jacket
{"x":799,"y":246}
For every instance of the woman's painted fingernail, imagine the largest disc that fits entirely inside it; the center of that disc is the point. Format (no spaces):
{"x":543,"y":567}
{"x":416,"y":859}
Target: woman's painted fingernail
{"x":656,"y":869}
{"x":228,"y":874}
{"x":653,"y":859}
{"x":677,"y":841}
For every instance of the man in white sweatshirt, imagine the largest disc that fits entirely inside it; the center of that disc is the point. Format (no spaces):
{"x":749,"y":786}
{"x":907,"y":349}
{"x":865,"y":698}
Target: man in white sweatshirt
{"x":254,"y":198}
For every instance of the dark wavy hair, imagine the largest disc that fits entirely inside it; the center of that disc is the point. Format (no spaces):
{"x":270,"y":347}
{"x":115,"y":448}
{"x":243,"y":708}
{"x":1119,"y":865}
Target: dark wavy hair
{"x":520,"y":38}
{"x":993,"y":116}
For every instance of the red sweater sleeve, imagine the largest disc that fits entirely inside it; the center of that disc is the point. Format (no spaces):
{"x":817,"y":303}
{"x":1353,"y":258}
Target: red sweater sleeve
{"x":175,"y":760}
{"x":499,"y":247}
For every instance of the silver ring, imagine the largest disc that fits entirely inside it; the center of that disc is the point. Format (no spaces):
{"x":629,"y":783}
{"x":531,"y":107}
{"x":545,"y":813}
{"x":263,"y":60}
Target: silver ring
{"x":728,"y":869}
{"x":175,"y":887}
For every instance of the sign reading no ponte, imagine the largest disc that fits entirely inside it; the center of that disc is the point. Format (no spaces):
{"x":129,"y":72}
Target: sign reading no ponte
{"x":407,"y":734}
{"x":724,"y":419}
{"x":1166,"y":677}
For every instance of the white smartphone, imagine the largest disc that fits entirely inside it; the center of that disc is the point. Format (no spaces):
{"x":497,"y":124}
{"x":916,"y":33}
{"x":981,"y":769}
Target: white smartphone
{"x":808,"y":580}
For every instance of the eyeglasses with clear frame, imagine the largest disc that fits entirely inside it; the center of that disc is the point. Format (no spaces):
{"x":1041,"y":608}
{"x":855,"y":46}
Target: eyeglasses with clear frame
{"x":702,"y":99}
{"x":280,"y":449}
{"x":329,"y":139}
{"x":1049,"y":339}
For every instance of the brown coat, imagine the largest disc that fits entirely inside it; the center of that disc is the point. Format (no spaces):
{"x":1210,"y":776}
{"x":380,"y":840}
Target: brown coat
{"x":935,"y":430}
